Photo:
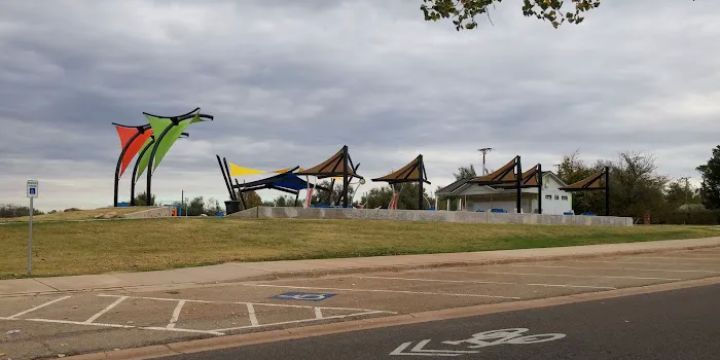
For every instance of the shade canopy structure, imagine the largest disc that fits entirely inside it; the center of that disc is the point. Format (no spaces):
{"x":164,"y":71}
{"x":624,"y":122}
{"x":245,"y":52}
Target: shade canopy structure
{"x":531,"y":179}
{"x":510,"y":173}
{"x":286,"y":181}
{"x":412,"y":172}
{"x":167,"y":129}
{"x":338,"y":165}
{"x":132,"y":139}
{"x":599,"y":181}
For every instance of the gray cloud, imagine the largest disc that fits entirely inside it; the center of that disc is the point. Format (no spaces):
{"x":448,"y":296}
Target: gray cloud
{"x":290,"y":82}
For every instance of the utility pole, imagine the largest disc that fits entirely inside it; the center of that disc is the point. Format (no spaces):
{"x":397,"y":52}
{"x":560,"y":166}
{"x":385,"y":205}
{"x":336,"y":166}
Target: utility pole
{"x":685,"y":203}
{"x":484,"y":152}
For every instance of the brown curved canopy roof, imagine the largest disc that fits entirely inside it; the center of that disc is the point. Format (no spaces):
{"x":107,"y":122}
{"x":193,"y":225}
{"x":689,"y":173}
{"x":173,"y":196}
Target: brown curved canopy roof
{"x":504,"y":175}
{"x":530,"y":178}
{"x":594,"y":182}
{"x":412,"y":172}
{"x":334,"y":166}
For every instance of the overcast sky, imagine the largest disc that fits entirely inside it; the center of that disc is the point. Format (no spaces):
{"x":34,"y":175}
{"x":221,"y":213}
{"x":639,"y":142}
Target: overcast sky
{"x":290,"y":82}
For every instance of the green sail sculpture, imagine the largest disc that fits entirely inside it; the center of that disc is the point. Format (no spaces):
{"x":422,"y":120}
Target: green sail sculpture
{"x":145,"y":159}
{"x":167,"y":130}
{"x":159,"y":126}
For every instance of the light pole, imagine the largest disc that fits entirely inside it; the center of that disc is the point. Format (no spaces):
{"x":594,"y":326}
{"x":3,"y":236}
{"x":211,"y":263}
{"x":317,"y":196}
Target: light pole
{"x":484,"y":152}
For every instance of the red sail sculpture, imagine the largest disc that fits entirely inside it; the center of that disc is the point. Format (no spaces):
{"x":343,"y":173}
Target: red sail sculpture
{"x":132,"y":139}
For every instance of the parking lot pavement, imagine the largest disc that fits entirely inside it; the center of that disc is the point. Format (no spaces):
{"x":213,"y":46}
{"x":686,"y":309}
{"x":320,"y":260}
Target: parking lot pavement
{"x":670,"y":325}
{"x":75,"y":323}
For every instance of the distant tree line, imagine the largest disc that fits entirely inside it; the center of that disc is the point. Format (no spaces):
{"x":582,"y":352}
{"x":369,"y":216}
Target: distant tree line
{"x":11,"y":211}
{"x":636,"y":190}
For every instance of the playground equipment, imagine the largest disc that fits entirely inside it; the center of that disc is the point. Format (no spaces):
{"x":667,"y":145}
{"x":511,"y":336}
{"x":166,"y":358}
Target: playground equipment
{"x":412,"y":172}
{"x":596,"y":182}
{"x":508,"y":174}
{"x":338,"y":165}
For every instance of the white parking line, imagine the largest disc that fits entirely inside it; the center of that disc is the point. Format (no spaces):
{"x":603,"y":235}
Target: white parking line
{"x":383,"y":291}
{"x":241,"y":303}
{"x":105,"y":310}
{"x":613,"y":268}
{"x":254,"y":322}
{"x":563,"y":275}
{"x":175,"y":315}
{"x":210,"y":332}
{"x":488,"y":282}
{"x":38,"y":307}
{"x":301,"y":321}
{"x":252,"y":315}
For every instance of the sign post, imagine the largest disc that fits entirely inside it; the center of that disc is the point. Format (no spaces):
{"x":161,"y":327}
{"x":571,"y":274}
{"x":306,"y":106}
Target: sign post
{"x":32,"y":193}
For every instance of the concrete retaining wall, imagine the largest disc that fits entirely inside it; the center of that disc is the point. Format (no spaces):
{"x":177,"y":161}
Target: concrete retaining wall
{"x":150,"y":213}
{"x":414,"y":215}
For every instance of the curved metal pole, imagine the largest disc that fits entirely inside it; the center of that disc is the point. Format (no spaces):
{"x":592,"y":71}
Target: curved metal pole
{"x":189,"y":113}
{"x":119,"y":163}
{"x":152,"y":158}
{"x":135,"y":169}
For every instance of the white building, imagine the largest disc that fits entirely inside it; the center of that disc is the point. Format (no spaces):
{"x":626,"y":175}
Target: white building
{"x":467,"y":196}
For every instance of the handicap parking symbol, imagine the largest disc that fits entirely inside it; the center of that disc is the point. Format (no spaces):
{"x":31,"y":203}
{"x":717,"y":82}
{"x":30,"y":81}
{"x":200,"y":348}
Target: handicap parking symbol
{"x":302,"y":296}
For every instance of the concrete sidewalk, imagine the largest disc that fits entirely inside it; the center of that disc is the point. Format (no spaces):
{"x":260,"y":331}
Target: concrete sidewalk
{"x":230,"y":272}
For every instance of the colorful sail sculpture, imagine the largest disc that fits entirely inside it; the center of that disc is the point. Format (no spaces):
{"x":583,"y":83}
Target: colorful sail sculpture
{"x":167,"y":129}
{"x":132,"y":139}
{"x":150,"y":143}
{"x":143,"y":159}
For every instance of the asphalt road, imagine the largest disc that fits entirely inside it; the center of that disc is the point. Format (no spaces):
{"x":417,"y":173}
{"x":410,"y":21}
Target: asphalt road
{"x":680,"y":324}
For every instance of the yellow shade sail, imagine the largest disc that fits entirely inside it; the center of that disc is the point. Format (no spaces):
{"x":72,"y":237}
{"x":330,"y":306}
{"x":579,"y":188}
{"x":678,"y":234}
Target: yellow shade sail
{"x":237,"y":170}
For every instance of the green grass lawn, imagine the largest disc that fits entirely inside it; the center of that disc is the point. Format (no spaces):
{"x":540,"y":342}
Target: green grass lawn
{"x":69,"y":248}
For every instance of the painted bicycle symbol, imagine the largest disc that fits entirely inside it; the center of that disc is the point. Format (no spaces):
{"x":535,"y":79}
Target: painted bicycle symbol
{"x":512,"y":336}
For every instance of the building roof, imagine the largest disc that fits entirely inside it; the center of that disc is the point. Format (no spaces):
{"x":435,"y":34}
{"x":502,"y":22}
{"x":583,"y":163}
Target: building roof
{"x":412,"y":172}
{"x":450,"y":189}
{"x":465,"y":187}
{"x":528,"y":178}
